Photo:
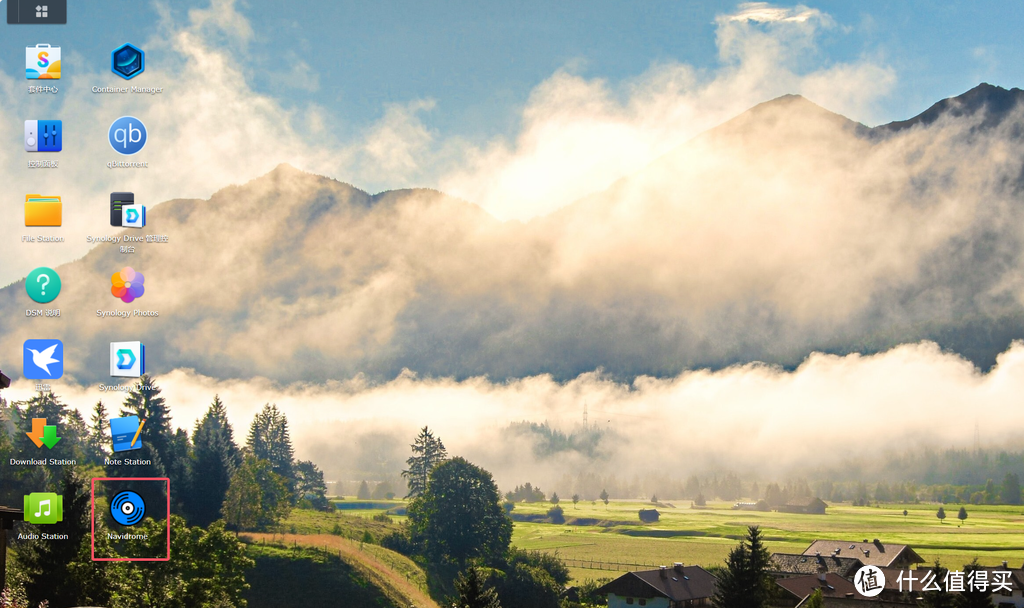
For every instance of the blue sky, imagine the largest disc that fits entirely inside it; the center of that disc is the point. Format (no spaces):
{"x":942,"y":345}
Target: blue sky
{"x":521,"y":108}
{"x":480,"y":61}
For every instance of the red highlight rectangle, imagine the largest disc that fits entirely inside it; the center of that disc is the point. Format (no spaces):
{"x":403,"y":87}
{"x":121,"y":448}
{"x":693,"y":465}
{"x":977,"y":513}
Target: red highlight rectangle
{"x":92,"y":536}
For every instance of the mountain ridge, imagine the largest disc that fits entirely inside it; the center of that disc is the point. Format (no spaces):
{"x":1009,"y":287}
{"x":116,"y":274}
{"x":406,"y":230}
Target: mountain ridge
{"x":783,"y":232}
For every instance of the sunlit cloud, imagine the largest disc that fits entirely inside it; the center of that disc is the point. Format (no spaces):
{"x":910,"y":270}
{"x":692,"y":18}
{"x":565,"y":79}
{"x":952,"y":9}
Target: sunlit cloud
{"x":913,"y":396}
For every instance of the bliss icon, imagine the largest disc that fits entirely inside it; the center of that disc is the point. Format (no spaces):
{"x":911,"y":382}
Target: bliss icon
{"x":44,"y":136}
{"x":127,"y":135}
{"x":127,"y":508}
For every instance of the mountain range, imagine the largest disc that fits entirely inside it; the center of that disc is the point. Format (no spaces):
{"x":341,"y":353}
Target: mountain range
{"x":787,"y":230}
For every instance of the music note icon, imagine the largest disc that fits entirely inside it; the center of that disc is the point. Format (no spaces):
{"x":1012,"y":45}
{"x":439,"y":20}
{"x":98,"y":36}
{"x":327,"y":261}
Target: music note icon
{"x":44,"y":508}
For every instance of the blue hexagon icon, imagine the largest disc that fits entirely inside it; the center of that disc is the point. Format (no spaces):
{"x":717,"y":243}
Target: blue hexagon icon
{"x":127,"y":61}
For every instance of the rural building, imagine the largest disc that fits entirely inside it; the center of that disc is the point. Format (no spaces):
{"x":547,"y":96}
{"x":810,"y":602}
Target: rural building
{"x":649,"y":516}
{"x":810,"y":506}
{"x":760,"y":505}
{"x":676,"y":587}
{"x":795,"y":589}
{"x":794,"y":564}
{"x":1012,"y":598}
{"x":870,"y":553}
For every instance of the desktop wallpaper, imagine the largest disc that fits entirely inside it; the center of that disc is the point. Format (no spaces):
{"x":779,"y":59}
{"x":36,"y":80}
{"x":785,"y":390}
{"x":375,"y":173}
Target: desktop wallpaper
{"x":675,"y":250}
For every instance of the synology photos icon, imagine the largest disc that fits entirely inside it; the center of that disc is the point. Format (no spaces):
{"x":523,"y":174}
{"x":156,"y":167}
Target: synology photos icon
{"x":127,"y":359}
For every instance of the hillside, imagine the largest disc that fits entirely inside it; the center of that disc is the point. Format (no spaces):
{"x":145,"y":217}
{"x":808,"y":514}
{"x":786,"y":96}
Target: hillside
{"x":786,"y":230}
{"x":338,"y":569}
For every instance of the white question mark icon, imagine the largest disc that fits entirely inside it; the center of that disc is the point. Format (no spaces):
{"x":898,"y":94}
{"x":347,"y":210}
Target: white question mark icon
{"x":39,"y":279}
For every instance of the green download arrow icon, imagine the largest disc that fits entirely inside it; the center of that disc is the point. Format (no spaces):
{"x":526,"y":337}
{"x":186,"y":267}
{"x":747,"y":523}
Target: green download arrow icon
{"x":50,"y":437}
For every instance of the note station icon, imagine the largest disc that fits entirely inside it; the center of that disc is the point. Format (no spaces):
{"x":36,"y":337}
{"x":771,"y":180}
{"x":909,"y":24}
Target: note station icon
{"x":125,"y":433}
{"x":44,"y":508}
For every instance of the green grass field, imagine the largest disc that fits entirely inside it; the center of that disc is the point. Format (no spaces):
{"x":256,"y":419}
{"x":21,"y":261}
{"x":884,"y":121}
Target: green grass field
{"x":705,"y":536}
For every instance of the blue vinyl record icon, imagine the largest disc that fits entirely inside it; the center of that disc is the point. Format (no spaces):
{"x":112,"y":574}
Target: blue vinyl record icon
{"x":127,"y":508}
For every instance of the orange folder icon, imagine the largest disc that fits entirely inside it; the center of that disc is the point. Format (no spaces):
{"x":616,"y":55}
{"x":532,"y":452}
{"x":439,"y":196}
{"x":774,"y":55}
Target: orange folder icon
{"x":42,"y":210}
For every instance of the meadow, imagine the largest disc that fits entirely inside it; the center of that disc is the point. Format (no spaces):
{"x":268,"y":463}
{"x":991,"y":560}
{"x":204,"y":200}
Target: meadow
{"x":705,"y":536}
{"x":614,"y":540}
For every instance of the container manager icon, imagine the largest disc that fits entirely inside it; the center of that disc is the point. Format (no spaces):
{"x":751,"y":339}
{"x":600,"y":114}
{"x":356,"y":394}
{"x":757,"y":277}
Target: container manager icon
{"x":127,"y":61}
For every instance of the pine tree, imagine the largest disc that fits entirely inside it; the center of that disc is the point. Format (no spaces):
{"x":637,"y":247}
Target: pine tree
{"x":941,"y":514}
{"x":973,"y":596}
{"x":215,"y":457}
{"x":70,"y":427}
{"x":815,"y":601}
{"x":746,"y":581}
{"x":145,"y":402}
{"x":1010,"y":492}
{"x":99,"y":438}
{"x":43,"y":558}
{"x":940,"y":598}
{"x":167,"y":451}
{"x":427,"y":452}
{"x":364,"y":491}
{"x":962,"y":514}
{"x":473,"y":593}
{"x":604,"y":498}
{"x":270,"y":440}
{"x":735,"y":587}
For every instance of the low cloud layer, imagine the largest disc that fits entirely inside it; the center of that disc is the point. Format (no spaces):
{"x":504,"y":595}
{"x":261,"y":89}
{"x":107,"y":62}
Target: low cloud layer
{"x":755,"y":419}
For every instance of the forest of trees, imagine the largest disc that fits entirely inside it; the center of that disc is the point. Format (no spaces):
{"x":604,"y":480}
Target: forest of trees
{"x":217,"y":485}
{"x":1005,"y":489}
{"x":459,"y":532}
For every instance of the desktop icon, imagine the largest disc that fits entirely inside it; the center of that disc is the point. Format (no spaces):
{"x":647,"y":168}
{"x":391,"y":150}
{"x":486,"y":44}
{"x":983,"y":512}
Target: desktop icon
{"x":44,"y":508}
{"x":43,"y":434}
{"x":44,"y":359}
{"x":42,"y":62}
{"x":43,"y":136}
{"x":42,"y":210}
{"x":127,"y":359}
{"x":127,"y":61}
{"x":37,"y":11}
{"x":43,"y":285}
{"x":117,"y":200}
{"x":127,"y":508}
{"x":124,"y":432}
{"x":127,"y":285}
{"x":127,"y":135}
